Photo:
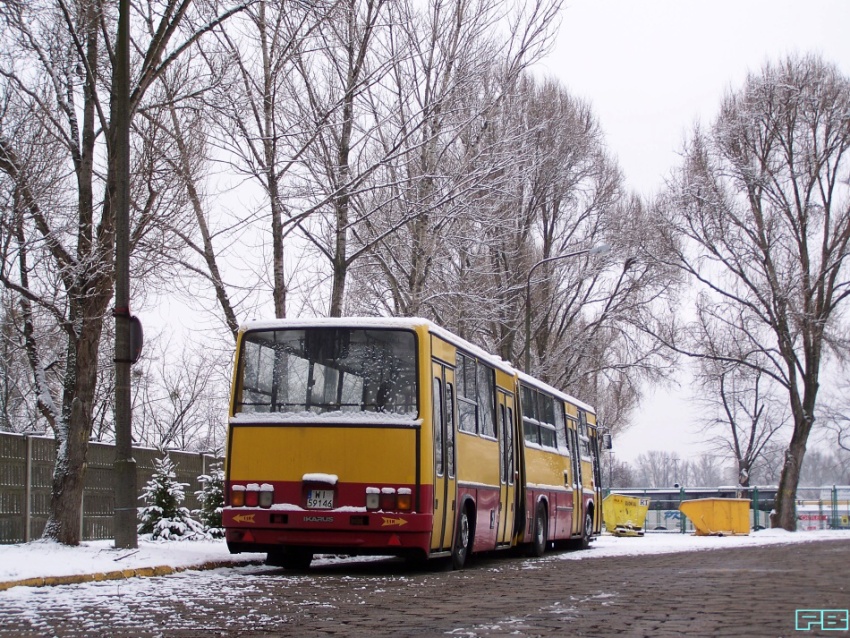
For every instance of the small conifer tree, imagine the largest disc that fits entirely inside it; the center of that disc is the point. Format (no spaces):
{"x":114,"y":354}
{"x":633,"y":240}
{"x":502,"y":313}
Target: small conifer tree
{"x":163,"y":516}
{"x":211,"y":498}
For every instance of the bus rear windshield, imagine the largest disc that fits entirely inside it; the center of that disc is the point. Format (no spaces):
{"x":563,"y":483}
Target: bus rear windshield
{"x":322,"y":370}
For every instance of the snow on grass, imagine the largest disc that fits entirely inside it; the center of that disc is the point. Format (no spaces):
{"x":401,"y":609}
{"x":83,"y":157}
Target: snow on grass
{"x":668,"y":543}
{"x":46,"y":558}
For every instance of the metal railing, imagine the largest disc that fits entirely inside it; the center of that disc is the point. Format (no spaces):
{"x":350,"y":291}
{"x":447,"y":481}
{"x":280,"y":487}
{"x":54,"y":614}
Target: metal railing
{"x":818,"y":508}
{"x":26,"y":476}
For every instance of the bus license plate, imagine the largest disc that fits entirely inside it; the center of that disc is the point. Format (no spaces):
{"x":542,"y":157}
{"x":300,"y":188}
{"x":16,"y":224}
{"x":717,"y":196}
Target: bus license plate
{"x":320,"y":499}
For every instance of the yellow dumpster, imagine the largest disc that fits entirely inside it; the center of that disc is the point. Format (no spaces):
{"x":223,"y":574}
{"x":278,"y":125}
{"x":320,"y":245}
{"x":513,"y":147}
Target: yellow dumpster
{"x":718,"y":516}
{"x":624,"y":515}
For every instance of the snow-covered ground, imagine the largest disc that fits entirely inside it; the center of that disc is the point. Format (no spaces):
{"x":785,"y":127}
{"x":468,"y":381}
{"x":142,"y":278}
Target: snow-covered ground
{"x":41,"y":559}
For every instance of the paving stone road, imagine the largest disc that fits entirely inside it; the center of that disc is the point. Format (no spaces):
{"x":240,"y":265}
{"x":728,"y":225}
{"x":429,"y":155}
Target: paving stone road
{"x":729,"y":592}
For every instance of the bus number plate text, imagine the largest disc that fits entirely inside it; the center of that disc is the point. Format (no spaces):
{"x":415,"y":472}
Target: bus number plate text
{"x":320,"y":499}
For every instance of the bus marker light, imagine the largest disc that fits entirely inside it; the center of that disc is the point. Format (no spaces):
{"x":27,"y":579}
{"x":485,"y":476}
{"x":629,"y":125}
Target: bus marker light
{"x":237,"y":496}
{"x":252,"y":498}
{"x":266,"y":495}
{"x":373,"y":498}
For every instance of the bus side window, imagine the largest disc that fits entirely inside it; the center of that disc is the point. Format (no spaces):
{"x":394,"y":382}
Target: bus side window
{"x":560,"y":425}
{"x":487,"y":401}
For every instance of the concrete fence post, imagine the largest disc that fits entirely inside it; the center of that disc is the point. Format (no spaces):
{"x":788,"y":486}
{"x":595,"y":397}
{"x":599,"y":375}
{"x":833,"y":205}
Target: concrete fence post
{"x":28,"y":490}
{"x":834,"y":517}
{"x":756,"y":509}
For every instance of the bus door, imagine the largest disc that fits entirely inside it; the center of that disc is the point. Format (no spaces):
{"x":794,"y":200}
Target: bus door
{"x":507,"y":466}
{"x":578,"y":495}
{"x":445,"y":474}
{"x":597,"y":478}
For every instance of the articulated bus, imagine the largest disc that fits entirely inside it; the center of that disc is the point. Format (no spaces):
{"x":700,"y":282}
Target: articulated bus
{"x":396,"y":437}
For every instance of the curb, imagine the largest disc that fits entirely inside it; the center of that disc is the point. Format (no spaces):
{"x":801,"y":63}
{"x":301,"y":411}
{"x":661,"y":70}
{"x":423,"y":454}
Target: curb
{"x":121,"y":574}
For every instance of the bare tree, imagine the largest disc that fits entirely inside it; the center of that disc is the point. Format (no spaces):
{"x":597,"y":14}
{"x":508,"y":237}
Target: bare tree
{"x":707,"y":471}
{"x":836,"y":414}
{"x":57,"y":155}
{"x":446,"y":75}
{"x":758,"y":218}
{"x":826,"y":467}
{"x":658,"y":468}
{"x":616,"y":473}
{"x":741,"y":405}
{"x":178,"y":404}
{"x":258,"y":128}
{"x":510,"y":176}
{"x":17,"y":411}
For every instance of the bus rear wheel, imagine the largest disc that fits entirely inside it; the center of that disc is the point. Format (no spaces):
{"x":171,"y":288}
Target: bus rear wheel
{"x":541,"y":531}
{"x":584,"y":543}
{"x":292,"y":558}
{"x":462,"y":546}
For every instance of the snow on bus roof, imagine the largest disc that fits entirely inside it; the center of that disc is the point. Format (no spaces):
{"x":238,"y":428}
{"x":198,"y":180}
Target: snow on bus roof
{"x":380,"y":322}
{"x":412,"y":322}
{"x":348,"y":322}
{"x":563,"y":396}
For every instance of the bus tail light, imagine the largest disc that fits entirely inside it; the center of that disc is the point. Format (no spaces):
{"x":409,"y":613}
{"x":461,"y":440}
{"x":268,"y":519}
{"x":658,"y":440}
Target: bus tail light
{"x":252,"y":495}
{"x":389,"y":499}
{"x":237,"y":496}
{"x":404,"y":501}
{"x":388,"y":502}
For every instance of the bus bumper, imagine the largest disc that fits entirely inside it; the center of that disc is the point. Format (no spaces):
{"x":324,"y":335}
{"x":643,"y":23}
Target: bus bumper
{"x":262,"y":530}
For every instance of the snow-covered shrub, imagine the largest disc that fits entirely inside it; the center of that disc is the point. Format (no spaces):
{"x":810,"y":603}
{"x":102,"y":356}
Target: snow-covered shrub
{"x":163,"y":516}
{"x":211,"y":498}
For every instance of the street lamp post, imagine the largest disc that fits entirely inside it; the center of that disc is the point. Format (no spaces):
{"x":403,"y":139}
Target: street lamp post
{"x":596,"y":250}
{"x":126,"y":496}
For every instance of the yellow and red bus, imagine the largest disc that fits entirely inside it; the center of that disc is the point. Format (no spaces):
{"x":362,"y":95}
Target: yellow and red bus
{"x":396,"y":437}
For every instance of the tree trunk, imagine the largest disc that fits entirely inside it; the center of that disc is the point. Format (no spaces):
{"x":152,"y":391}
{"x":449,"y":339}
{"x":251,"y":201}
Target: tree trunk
{"x":63,"y":525}
{"x":785,"y":512}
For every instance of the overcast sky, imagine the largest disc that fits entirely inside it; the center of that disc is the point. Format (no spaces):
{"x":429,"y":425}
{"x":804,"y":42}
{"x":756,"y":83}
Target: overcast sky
{"x":650,"y":69}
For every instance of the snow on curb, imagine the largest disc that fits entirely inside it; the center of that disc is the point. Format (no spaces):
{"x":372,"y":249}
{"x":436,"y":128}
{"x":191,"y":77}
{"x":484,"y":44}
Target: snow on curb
{"x":140,"y":572}
{"x":42,"y":563}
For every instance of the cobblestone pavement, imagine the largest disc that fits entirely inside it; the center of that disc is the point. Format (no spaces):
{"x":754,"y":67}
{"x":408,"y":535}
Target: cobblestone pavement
{"x":730,"y":592}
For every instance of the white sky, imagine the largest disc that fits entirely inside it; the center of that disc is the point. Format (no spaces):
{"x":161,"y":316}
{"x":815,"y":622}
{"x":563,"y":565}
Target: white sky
{"x":650,"y":69}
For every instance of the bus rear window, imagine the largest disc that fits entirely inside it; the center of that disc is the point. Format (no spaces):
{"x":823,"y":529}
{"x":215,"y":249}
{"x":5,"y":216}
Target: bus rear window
{"x":322,"y":370}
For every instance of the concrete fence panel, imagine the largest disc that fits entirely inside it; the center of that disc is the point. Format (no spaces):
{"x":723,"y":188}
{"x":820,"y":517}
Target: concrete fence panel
{"x":26,"y":476}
